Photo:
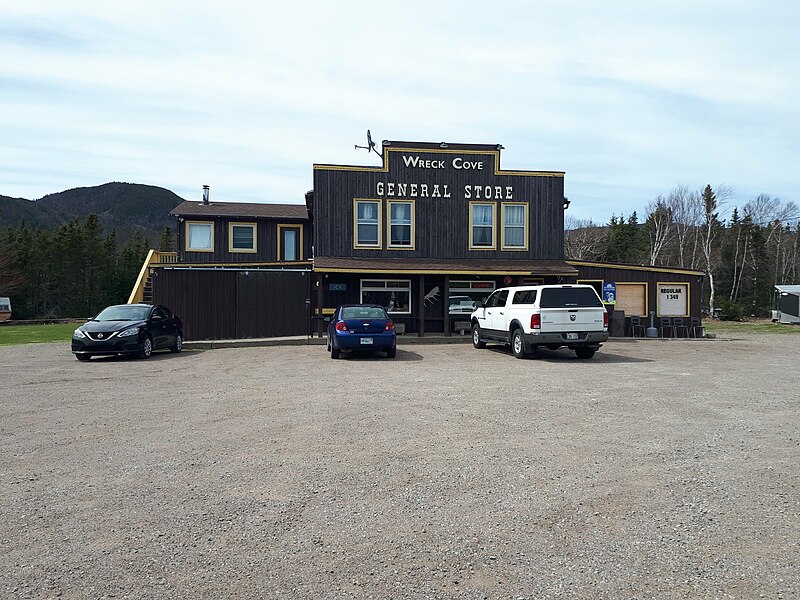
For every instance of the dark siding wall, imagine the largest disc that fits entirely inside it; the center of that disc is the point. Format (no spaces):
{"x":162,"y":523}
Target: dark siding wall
{"x":652,"y":278}
{"x":442,"y":224}
{"x":267,"y":242}
{"x":236,"y":304}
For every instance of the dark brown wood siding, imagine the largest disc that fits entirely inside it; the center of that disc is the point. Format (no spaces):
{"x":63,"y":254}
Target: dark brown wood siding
{"x":652,"y":278}
{"x":266,"y":236}
{"x":442,"y":224}
{"x":236,"y":304}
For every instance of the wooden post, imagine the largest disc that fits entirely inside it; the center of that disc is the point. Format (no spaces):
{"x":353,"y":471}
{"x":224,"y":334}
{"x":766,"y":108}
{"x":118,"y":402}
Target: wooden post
{"x":421,"y":330}
{"x":446,"y":303}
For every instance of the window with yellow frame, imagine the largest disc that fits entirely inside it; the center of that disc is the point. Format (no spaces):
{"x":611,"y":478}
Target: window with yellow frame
{"x":401,"y":226}
{"x":482,"y":233}
{"x":290,"y":242}
{"x":242,"y":237}
{"x":199,"y":236}
{"x":514,"y":216}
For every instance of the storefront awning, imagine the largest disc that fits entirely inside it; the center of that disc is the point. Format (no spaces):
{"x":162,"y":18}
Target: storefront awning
{"x":426,"y":266}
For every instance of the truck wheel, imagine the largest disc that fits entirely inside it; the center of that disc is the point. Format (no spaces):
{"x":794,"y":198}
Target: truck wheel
{"x":518,"y":344}
{"x":585,"y":352}
{"x":476,"y":337}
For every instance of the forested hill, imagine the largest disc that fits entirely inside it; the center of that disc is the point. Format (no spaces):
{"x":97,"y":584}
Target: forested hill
{"x":128,"y":207}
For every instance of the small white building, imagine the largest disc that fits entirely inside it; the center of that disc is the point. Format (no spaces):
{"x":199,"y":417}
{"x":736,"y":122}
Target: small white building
{"x":787,"y":304}
{"x":5,"y":309}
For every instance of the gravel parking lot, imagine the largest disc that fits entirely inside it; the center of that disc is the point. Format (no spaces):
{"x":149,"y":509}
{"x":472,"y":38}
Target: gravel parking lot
{"x":658,"y":469}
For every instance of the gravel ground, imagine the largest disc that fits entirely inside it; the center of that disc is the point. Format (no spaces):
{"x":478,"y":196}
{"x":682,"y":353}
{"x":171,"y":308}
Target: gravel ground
{"x":658,"y":469}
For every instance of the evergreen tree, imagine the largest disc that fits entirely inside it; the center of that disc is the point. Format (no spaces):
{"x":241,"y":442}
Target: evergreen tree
{"x":167,"y":241}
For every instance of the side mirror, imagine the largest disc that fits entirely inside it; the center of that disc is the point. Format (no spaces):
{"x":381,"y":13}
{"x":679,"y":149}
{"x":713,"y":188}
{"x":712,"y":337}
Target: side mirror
{"x":326,"y":319}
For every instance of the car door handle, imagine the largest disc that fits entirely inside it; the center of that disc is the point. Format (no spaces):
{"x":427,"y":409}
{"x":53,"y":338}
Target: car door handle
{"x":502,"y":313}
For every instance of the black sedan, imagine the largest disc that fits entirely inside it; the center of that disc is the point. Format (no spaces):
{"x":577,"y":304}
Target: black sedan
{"x":128,"y":329}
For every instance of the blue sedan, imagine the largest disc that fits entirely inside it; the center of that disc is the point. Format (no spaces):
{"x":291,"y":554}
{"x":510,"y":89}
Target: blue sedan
{"x":356,"y":327}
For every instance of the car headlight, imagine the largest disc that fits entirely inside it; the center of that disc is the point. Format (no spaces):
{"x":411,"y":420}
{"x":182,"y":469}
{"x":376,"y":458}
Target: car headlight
{"x":129,"y":332}
{"x":78,"y":334}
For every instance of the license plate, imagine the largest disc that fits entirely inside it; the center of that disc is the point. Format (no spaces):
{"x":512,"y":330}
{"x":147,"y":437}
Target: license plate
{"x":572,"y":336}
{"x":366,"y":341}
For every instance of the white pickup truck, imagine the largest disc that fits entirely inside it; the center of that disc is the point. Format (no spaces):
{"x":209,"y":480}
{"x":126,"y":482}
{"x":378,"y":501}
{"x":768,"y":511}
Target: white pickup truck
{"x":553,"y":316}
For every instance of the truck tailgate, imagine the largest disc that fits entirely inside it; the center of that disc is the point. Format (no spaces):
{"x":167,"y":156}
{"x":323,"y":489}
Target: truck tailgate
{"x":572,"y":319}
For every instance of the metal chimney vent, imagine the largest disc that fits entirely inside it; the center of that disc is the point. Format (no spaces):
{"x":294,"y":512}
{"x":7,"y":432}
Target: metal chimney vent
{"x":206,"y":192}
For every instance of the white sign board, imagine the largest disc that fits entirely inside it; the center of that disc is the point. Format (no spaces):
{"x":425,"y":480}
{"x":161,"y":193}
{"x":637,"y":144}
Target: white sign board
{"x":673,"y":299}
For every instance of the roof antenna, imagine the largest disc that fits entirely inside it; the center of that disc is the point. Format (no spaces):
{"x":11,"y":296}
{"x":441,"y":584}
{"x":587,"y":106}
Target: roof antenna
{"x":370,"y":147}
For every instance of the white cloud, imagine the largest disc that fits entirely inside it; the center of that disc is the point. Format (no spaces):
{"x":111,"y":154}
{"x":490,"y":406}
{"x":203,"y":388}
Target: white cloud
{"x":629,"y":100}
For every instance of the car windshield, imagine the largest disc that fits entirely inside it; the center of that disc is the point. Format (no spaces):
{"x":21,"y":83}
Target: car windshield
{"x":123,"y":313}
{"x":363,"y":312}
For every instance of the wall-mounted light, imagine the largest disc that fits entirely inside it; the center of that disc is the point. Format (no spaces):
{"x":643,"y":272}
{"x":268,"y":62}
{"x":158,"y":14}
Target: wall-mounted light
{"x":386,"y":143}
{"x":501,"y":147}
{"x":566,"y":203}
{"x":443,"y":145}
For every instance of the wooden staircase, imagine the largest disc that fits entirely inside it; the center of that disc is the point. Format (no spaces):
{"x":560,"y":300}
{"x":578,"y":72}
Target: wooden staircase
{"x":143,"y":288}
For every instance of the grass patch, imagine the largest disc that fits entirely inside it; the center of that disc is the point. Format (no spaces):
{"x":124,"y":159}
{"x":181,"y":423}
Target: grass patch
{"x":750,"y":327}
{"x":11,"y":335}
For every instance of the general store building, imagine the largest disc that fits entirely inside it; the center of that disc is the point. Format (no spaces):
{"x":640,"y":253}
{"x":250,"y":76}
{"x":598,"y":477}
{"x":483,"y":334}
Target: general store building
{"x":434,"y":226}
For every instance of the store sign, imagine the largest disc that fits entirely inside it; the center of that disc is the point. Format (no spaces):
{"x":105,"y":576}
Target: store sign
{"x":673,"y":299}
{"x":610,"y":292}
{"x":337,"y":287}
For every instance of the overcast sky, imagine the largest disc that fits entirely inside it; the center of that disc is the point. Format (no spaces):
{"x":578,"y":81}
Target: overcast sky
{"x":631,"y":99}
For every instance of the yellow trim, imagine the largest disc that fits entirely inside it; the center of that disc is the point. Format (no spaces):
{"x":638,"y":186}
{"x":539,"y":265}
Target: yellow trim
{"x":634,"y":267}
{"x":494,"y":225}
{"x":385,"y":167}
{"x":306,"y":262}
{"x":440,"y":272}
{"x":186,"y":230}
{"x":356,"y":245}
{"x":281,"y":227}
{"x":253,"y":226}
{"x":413,"y":204}
{"x":503,"y":225}
{"x":646,"y":294}
{"x":137,"y":294}
{"x":688,"y":297}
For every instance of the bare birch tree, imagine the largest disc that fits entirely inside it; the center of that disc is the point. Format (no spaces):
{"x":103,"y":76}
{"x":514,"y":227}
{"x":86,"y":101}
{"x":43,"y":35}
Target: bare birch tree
{"x":583,"y":240}
{"x":660,"y":227}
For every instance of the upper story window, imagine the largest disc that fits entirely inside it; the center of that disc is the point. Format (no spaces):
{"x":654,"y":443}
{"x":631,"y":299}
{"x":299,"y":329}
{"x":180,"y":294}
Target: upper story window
{"x":199,"y":236}
{"x":401,"y":224}
{"x":515,"y":226}
{"x":290,"y":242}
{"x":367,"y":214}
{"x":481,"y":232}
{"x":242,"y":237}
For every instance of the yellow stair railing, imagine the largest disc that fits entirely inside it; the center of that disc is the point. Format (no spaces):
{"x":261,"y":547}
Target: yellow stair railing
{"x":154,"y":257}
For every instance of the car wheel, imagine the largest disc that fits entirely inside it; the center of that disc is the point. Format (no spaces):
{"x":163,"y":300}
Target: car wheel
{"x":518,"y":344}
{"x":585,"y":352}
{"x":178,"y":343}
{"x":334,"y":353}
{"x":145,"y":347}
{"x":82,"y":357}
{"x":391,"y":353}
{"x":476,"y":337}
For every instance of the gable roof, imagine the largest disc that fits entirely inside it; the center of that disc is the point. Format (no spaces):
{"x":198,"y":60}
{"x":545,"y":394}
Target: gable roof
{"x":240,"y":209}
